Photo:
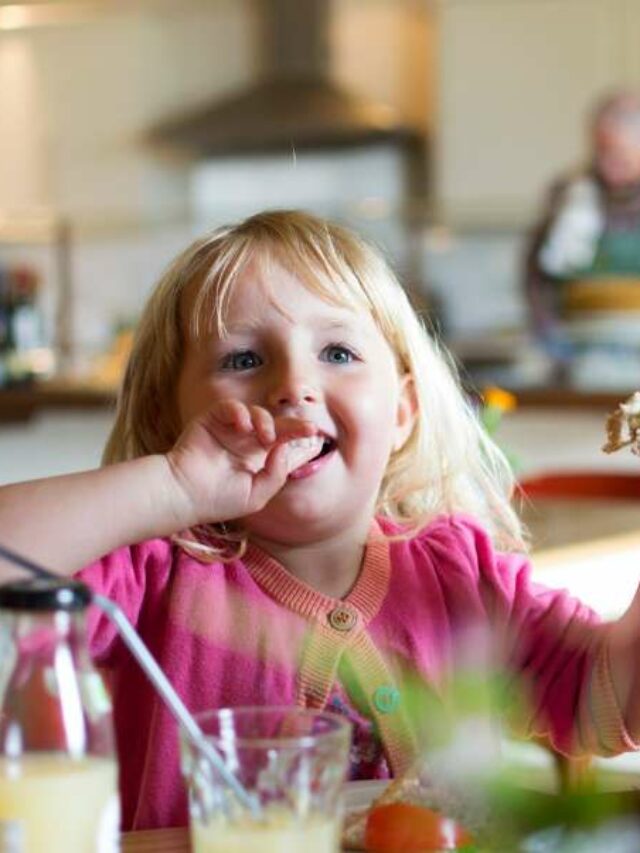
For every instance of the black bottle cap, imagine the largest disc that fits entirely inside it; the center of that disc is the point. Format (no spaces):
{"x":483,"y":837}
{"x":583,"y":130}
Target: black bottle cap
{"x":41,"y":594}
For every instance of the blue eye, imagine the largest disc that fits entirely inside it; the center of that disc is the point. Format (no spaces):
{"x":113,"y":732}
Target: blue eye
{"x":337,"y":354}
{"x":241,"y":360}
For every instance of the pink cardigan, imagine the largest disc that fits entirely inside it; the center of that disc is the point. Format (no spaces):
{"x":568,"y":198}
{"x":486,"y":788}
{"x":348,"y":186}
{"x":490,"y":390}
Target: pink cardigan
{"x":248,"y":633}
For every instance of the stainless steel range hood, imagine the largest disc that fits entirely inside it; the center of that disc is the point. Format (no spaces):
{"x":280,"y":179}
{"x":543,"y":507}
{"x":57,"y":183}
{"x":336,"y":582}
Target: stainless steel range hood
{"x":294,"y":103}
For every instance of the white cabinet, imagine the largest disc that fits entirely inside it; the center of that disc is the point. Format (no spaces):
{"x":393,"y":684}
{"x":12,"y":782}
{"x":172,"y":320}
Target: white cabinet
{"x":515,"y":79}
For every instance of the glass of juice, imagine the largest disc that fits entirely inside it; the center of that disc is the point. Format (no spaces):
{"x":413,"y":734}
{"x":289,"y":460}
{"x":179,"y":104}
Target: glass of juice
{"x":293,"y":761}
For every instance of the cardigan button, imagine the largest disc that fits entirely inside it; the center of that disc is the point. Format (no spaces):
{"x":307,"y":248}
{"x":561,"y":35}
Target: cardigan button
{"x":386,"y":699}
{"x":342,"y":618}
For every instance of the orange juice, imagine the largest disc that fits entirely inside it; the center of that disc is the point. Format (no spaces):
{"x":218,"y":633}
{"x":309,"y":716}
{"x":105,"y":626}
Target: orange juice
{"x":60,"y":804}
{"x":279,"y":833}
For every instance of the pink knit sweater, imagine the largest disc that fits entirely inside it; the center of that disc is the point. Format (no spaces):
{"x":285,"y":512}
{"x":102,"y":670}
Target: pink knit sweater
{"x":248,"y":633}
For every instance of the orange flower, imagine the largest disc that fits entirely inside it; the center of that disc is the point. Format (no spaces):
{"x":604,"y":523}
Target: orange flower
{"x":499,"y":398}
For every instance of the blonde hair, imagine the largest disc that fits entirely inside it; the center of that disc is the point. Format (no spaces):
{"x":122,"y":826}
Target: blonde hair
{"x":448,"y":465}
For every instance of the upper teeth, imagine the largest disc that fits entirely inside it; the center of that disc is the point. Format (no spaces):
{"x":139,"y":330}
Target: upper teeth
{"x":307,"y":442}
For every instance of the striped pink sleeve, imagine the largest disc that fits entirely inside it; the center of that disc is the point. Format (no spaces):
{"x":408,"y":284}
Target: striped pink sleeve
{"x":602,"y":728}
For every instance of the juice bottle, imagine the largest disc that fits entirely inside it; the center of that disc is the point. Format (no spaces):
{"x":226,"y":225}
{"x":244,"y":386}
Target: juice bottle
{"x":58,"y":772}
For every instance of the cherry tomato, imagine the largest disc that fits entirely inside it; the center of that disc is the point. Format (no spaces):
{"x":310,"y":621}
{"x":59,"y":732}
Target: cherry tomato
{"x":403,"y":828}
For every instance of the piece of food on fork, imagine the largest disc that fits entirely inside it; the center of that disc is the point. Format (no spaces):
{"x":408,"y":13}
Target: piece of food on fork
{"x":623,"y":426}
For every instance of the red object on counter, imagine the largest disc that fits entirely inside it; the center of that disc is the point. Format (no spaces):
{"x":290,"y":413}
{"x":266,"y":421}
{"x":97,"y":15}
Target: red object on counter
{"x":405,"y":828}
{"x":582,"y":484}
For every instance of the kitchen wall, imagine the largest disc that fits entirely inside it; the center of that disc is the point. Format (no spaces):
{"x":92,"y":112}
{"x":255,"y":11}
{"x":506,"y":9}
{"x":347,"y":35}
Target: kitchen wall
{"x":91,"y":90}
{"x":500,"y":86}
{"x":77,"y":102}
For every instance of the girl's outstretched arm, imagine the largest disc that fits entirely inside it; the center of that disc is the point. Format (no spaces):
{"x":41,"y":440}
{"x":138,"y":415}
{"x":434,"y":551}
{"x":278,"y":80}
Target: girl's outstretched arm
{"x":228,"y":463}
{"x":66,"y":522}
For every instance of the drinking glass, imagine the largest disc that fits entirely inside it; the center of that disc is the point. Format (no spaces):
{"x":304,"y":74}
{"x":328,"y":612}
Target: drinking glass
{"x":293,"y":761}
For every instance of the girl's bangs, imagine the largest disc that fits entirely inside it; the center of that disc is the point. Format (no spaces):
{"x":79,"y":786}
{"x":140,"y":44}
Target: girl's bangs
{"x":215,"y":285}
{"x":340,"y":272}
{"x":333,"y":281}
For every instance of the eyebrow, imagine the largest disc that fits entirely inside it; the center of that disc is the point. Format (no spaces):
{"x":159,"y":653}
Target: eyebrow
{"x":241,"y":328}
{"x":335,"y":325}
{"x":247,"y":327}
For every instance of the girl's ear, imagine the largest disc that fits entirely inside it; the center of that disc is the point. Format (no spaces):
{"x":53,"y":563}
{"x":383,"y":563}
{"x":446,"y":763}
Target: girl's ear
{"x":407,"y":411}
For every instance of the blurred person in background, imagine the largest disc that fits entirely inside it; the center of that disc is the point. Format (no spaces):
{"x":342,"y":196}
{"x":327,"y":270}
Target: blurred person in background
{"x":583,"y":258}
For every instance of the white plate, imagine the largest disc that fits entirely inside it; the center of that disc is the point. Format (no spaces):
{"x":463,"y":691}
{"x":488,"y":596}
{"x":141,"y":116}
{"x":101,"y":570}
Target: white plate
{"x":360,"y":795}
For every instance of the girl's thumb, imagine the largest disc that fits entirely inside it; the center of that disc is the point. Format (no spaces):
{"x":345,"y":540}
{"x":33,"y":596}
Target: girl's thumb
{"x":282,"y":461}
{"x":302,"y":450}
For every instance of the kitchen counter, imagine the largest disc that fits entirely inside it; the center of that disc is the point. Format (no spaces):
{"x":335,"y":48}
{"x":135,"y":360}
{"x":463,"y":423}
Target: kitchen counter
{"x":568,"y":398}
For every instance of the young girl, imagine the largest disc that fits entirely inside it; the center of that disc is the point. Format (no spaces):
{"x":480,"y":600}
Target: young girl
{"x":299,"y":507}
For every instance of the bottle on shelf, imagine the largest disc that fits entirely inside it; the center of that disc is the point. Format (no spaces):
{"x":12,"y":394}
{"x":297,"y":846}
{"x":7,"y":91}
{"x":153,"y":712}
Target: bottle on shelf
{"x":21,"y":334}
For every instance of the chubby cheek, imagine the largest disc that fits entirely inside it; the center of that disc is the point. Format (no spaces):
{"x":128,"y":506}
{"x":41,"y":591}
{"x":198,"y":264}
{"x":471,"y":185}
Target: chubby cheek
{"x":192,"y":401}
{"x":369,"y":423}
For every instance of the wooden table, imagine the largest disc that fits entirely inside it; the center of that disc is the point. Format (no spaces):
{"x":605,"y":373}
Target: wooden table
{"x":157,"y":841}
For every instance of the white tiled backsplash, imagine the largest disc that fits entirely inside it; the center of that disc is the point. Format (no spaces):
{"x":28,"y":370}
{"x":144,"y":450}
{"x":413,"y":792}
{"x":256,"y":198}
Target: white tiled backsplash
{"x":475,"y":275}
{"x":111,"y":278}
{"x":478,"y":278}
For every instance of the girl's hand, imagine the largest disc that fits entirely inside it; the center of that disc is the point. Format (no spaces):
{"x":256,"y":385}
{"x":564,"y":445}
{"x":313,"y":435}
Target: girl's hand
{"x":230,"y":461}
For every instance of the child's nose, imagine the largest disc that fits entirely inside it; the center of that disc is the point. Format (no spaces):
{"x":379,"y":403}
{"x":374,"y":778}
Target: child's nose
{"x":291,"y":389}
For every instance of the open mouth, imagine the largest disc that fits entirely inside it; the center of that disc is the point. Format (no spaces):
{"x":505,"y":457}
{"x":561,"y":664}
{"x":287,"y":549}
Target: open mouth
{"x":308,"y":466}
{"x":328,"y":444}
